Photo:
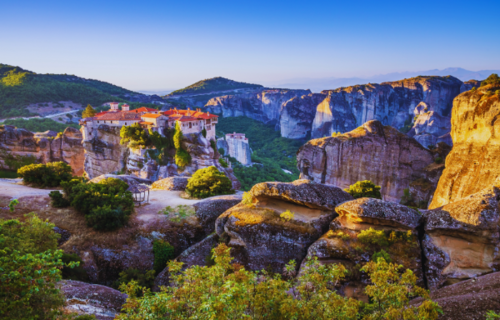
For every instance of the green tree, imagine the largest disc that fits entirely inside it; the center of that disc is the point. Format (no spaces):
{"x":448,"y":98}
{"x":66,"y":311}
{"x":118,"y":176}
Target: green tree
{"x":29,"y":270}
{"x":88,"y":112}
{"x":51,"y":174}
{"x":135,"y":136}
{"x":492,"y":79}
{"x":363,"y":189}
{"x":182,"y":157}
{"x":208,"y":182}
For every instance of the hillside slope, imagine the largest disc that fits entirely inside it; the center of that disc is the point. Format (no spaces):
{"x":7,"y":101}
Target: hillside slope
{"x":213,"y":84}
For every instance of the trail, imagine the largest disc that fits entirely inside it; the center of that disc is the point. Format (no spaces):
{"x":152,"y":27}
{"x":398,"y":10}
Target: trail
{"x":38,"y":117}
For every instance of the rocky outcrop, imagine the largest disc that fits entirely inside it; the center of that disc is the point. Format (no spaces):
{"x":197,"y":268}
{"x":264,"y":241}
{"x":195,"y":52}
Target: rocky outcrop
{"x":392,"y":103}
{"x":171,"y":184}
{"x":239,"y":148}
{"x":43,"y":146}
{"x":208,"y":210}
{"x":364,"y":227}
{"x":467,"y":300}
{"x":264,"y":105}
{"x":262,"y":238}
{"x":468,"y":85}
{"x":297,"y":115}
{"x":373,"y":152}
{"x":105,"y":155}
{"x":431,"y":128}
{"x":472,"y":164}
{"x":462,"y":238}
{"x":92,"y":299}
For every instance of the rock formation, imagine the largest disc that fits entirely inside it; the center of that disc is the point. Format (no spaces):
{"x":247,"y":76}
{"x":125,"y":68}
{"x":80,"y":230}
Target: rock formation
{"x":264,"y":105}
{"x":238,"y":148}
{"x":172,"y":184}
{"x":43,"y":146}
{"x":261,"y":238}
{"x":431,"y":128}
{"x":297,"y":115}
{"x":472,"y":164}
{"x":373,"y":152}
{"x":104,"y":154}
{"x":462,"y":238}
{"x":345,"y":242}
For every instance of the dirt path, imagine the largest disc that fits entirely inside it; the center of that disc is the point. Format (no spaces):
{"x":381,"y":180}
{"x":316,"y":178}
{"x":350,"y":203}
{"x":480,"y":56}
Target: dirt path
{"x":13,"y":188}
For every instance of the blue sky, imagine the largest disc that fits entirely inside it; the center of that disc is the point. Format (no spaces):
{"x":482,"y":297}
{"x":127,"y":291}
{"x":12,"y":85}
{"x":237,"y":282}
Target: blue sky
{"x":156,"y":45}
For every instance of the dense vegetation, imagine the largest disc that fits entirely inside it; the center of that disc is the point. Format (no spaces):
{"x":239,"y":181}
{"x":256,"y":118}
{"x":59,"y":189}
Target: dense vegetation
{"x":226,"y":290}
{"x":493,"y":79}
{"x":214,"y":84}
{"x":362,"y":189}
{"x":271,"y":153}
{"x":40,"y":124}
{"x":19,"y":88}
{"x":106,"y":205}
{"x":209,"y":182}
{"x":29,"y":270}
{"x":16,"y":161}
{"x":51,"y":174}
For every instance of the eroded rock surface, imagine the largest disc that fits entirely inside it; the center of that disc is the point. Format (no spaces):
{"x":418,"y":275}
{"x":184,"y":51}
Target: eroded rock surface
{"x":92,"y":299}
{"x":261,"y":238}
{"x":172,"y":183}
{"x":207,"y":211}
{"x":373,"y":152}
{"x":43,"y":146}
{"x":472,"y":164}
{"x":462,"y":238}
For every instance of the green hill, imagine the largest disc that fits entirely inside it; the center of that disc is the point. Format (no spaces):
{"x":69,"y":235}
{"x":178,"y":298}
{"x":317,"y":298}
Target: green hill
{"x":20,"y":88}
{"x":214,"y":84}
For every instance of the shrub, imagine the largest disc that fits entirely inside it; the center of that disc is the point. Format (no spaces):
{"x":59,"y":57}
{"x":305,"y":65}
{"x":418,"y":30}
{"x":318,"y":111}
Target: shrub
{"x":144,"y":279}
{"x":163,"y":252}
{"x":381,"y":254}
{"x":223,"y":163}
{"x":58,"y":201}
{"x":106,"y":205}
{"x":431,"y":147}
{"x":221,"y":151}
{"x":182,"y":158}
{"x":208,"y":182}
{"x":178,"y":213}
{"x":474,"y":89}
{"x":247,"y":198}
{"x":30,"y":268}
{"x":336,"y":134}
{"x":106,"y":218}
{"x":438,"y":160}
{"x":226,"y":290}
{"x":15,"y":162}
{"x":287,"y":215}
{"x":76,"y":273}
{"x":46,"y":175}
{"x":492,"y":79}
{"x":204,"y":132}
{"x":374,"y":237}
{"x":363,"y":189}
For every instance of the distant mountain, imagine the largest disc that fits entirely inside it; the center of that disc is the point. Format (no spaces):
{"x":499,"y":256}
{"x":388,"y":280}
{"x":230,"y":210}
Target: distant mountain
{"x":20,"y":88}
{"x":317,"y":85}
{"x":211,"y":85}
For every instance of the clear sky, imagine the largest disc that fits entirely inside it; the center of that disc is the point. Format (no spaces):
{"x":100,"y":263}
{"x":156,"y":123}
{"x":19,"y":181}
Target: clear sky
{"x":155,"y":45}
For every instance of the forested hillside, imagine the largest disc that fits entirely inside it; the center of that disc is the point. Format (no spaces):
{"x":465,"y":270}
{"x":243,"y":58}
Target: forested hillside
{"x":271,"y":153}
{"x":214,"y":84}
{"x":20,"y":88}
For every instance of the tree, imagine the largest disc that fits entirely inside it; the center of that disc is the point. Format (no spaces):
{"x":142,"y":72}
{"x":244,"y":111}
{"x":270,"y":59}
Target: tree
{"x":492,"y":79}
{"x":30,"y":268}
{"x":208,"y":182}
{"x":363,"y":189}
{"x":88,"y":112}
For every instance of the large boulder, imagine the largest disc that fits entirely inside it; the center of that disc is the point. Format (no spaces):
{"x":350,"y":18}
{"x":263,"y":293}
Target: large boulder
{"x":92,"y":299}
{"x":208,"y":210}
{"x":373,"y":152}
{"x":470,"y":299}
{"x":128,"y":179}
{"x":171,"y":184}
{"x":261,"y":238}
{"x":462,"y":238}
{"x":472,"y":164}
{"x":364,"y":227}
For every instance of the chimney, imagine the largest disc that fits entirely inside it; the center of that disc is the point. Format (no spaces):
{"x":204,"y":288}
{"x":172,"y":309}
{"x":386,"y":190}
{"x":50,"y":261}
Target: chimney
{"x":125,"y":107}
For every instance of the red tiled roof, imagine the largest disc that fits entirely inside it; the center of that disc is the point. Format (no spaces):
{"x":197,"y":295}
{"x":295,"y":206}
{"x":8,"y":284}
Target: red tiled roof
{"x":191,"y":113}
{"x":143,"y":109}
{"x":151,"y":115}
{"x":100,"y":113}
{"x":181,"y":118}
{"x":146,"y":122}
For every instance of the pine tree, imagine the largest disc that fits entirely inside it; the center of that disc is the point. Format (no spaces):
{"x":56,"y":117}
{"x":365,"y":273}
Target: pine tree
{"x":88,"y":112}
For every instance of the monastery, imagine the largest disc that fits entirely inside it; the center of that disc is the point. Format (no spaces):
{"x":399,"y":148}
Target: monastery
{"x":191,"y":121}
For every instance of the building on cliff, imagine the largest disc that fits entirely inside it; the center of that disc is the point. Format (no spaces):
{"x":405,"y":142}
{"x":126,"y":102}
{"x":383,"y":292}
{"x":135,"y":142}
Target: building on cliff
{"x":236,"y":145}
{"x":191,"y":121}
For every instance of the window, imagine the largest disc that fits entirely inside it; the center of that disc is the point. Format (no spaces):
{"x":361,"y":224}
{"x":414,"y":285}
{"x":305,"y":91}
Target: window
{"x":125,"y":123}
{"x":97,"y":121}
{"x":190,"y":125}
{"x":208,"y":121}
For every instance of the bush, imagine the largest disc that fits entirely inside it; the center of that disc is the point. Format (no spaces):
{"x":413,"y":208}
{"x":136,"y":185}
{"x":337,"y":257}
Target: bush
{"x":492,"y":79}
{"x":223,"y":163}
{"x":163,"y":252}
{"x":363,"y":189}
{"x":46,"y":175}
{"x":438,"y":160}
{"x":178,"y":213}
{"x":58,"y":201}
{"x":221,"y":151}
{"x":287,"y":215}
{"x":15,"y":162}
{"x":226,"y":290}
{"x":106,"y":218}
{"x":106,"y":205}
{"x":208,"y":182}
{"x":247,"y":198}
{"x":204,"y":132}
{"x":182,"y":158}
{"x":145,"y":279}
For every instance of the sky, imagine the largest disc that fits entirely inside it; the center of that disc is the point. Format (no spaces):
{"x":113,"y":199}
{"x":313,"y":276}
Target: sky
{"x":164,"y":45}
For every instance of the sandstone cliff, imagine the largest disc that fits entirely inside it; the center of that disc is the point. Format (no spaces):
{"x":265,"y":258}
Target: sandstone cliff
{"x":371,"y":152}
{"x":43,"y":146}
{"x":472,"y":164}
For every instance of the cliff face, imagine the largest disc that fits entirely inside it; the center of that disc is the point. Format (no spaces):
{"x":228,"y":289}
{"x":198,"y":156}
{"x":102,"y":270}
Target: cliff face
{"x":472,"y":164}
{"x":372,"y":152}
{"x":104,"y":154}
{"x":431,"y":128}
{"x":240,"y":149}
{"x":297,"y":115}
{"x":392,"y":103}
{"x":43,"y":146}
{"x":262,"y":105}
